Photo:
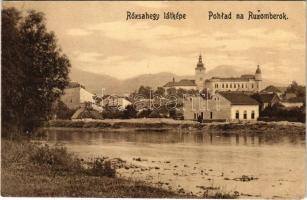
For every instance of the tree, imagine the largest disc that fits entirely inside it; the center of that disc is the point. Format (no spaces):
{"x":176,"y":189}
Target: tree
{"x":171,"y":91}
{"x":97,"y":99}
{"x":160,"y":91}
{"x":145,"y":91}
{"x":129,"y":112}
{"x":61,"y":111}
{"x":12,"y":71}
{"x":181,"y":92}
{"x":299,"y":90}
{"x":37,"y":67}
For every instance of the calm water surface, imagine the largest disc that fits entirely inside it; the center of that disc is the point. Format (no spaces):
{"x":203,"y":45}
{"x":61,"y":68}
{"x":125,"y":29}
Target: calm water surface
{"x":191,"y":161}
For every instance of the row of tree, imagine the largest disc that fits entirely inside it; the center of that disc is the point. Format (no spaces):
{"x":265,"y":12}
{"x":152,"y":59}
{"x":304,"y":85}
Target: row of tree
{"x":34,"y":71}
{"x":148,"y":92}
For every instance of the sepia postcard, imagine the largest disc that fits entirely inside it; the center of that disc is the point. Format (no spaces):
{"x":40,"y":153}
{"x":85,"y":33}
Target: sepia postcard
{"x":153,"y":99}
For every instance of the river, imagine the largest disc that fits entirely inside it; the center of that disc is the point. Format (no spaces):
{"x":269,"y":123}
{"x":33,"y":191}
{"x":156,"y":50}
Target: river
{"x":198,"y":162}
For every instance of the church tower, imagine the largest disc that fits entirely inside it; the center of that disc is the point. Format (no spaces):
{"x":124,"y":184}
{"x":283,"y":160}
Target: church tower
{"x":200,"y":74}
{"x":258,"y":78}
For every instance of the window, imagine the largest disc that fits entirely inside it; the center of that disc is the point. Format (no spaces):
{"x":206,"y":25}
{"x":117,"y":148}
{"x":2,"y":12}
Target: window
{"x":211,"y":115}
{"x":252,"y":85}
{"x":237,"y":114}
{"x":226,"y":85}
{"x":234,"y":85}
{"x":238,"y":85}
{"x":230,"y":85}
{"x":245,"y":114}
{"x":195,"y":117}
{"x":223,"y":85}
{"x":253,"y":115}
{"x":242,"y":85}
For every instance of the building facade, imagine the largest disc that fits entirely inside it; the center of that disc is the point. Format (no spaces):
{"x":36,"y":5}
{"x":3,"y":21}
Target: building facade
{"x":245,"y":83}
{"x":225,"y":106}
{"x":75,"y":94}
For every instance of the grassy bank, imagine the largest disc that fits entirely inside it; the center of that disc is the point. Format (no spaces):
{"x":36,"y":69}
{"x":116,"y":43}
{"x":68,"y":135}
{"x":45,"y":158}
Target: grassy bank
{"x":29,"y":170}
{"x":34,"y":170}
{"x":169,"y":124}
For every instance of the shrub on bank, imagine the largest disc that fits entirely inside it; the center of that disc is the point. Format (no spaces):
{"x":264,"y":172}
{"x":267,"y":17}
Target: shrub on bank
{"x":101,"y":167}
{"x":56,"y":158}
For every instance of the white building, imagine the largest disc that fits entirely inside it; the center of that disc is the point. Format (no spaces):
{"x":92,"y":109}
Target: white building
{"x":75,"y":94}
{"x":245,"y":83}
{"x":225,"y":106}
{"x":114,"y":101}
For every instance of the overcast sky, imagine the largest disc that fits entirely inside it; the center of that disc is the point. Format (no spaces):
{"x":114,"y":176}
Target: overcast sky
{"x":97,"y":38}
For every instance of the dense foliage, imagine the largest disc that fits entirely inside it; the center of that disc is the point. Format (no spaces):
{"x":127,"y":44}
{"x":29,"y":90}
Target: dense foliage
{"x":60,"y":111}
{"x":280,"y":113}
{"x":34,"y":71}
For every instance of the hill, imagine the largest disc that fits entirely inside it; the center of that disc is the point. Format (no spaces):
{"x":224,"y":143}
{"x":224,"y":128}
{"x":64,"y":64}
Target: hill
{"x":95,"y":82}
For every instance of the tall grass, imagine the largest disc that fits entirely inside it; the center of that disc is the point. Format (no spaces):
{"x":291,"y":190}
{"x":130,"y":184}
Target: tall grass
{"x":36,"y":170}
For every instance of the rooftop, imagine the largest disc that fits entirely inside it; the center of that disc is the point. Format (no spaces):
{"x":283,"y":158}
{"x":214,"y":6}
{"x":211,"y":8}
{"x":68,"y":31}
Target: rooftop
{"x":245,"y":77}
{"x":74,"y":85}
{"x":183,"y":82}
{"x":265,"y":97}
{"x":275,"y":89}
{"x":239,"y":98}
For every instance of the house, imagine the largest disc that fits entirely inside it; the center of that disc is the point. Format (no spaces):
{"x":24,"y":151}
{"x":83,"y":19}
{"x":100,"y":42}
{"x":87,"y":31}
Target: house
{"x":273,"y":89}
{"x":183,"y":84}
{"x":228,"y":106}
{"x":294,"y":102}
{"x":75,"y":94}
{"x":266,"y":99}
{"x":114,"y":101}
{"x":289,"y":95}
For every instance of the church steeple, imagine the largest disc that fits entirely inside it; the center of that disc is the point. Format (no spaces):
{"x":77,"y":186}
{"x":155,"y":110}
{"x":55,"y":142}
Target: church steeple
{"x":200,"y":71}
{"x":200,"y":64}
{"x":258,"y":70}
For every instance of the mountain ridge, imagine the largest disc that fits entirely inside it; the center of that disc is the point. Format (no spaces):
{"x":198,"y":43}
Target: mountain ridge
{"x":96,"y":82}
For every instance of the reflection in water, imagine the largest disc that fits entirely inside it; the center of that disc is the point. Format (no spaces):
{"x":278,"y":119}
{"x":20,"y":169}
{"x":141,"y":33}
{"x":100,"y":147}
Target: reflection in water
{"x":252,"y":139}
{"x":237,"y":139}
{"x":155,"y":137}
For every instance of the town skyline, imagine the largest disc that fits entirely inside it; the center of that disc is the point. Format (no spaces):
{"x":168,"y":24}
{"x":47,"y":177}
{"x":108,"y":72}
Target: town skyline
{"x":105,"y":43}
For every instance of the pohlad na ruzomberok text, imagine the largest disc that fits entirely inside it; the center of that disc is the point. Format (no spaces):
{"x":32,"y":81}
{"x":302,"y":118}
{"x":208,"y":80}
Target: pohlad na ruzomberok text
{"x":250,"y":15}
